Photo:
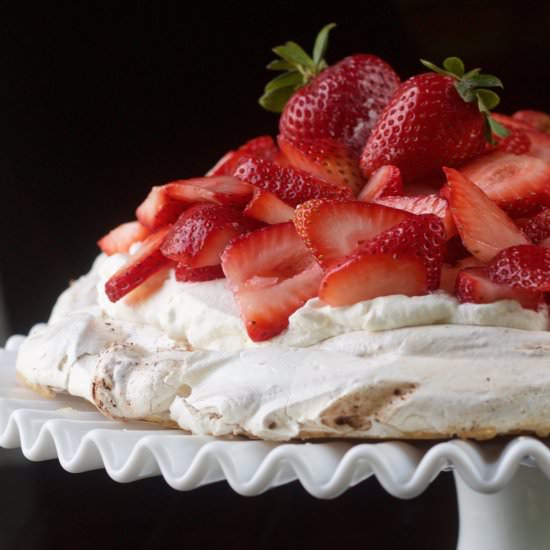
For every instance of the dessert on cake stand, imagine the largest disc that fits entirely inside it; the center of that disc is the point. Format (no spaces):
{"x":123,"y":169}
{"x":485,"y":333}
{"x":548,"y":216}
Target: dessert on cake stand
{"x":503,"y":487}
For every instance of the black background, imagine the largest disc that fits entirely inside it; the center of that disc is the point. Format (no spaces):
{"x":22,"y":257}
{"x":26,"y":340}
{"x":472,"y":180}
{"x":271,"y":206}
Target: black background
{"x":102,"y":100}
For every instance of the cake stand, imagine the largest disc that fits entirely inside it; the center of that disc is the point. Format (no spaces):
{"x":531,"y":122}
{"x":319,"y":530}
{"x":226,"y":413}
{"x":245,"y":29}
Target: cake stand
{"x":503,"y":487}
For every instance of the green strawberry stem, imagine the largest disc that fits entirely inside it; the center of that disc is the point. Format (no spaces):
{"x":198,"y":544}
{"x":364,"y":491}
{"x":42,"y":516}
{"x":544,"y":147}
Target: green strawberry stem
{"x":298,"y":68}
{"x":472,"y":87}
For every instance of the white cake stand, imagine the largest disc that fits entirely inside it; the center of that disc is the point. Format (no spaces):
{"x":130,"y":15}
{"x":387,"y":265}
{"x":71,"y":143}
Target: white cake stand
{"x":503,"y":488}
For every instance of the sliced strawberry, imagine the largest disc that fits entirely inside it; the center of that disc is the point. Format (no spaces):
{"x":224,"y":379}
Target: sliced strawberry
{"x":474,"y":286}
{"x":456,"y":251}
{"x":186,"y":274}
{"x":519,"y":184}
{"x":289,"y":184}
{"x":271,"y":274}
{"x":262,"y":147}
{"x":326,"y":159}
{"x":423,"y":204}
{"x":483,"y":227}
{"x":202,"y":232}
{"x":267,"y":207}
{"x":368,"y":276}
{"x":147,"y":261}
{"x":536,"y":228}
{"x":450,"y":272}
{"x":537,"y":119}
{"x":225,"y":190}
{"x":385,"y":181}
{"x":516,"y":142}
{"x":147,"y":288}
{"x":121,"y":238}
{"x":423,"y":236}
{"x":524,"y":266}
{"x":159,"y":209}
{"x":334,"y":229}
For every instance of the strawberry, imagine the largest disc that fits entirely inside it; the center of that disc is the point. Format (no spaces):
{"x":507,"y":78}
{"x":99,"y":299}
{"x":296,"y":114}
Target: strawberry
{"x":202,"y":232}
{"x":159,"y":209}
{"x":423,"y":204}
{"x":326,"y":159}
{"x":268,"y":208}
{"x":473,"y":285}
{"x":523,"y":266}
{"x":368,"y":276}
{"x":385,"y":181}
{"x":540,"y":141}
{"x":516,"y":142}
{"x":122,"y":237}
{"x":340,"y":103}
{"x":433,"y":120}
{"x":450,"y":272}
{"x":483,"y":227}
{"x":519,"y":184}
{"x":537,"y":228}
{"x":271,"y":274}
{"x":147,"y":261}
{"x":289,"y":184}
{"x":537,"y":119}
{"x":422,"y":236}
{"x":148,"y":287}
{"x":334,"y":229}
{"x":262,"y":147}
{"x":456,"y":251}
{"x":186,"y":274}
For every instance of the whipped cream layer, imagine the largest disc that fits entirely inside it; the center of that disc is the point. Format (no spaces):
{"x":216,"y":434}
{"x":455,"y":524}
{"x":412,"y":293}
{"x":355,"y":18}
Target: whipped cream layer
{"x":205,"y":315}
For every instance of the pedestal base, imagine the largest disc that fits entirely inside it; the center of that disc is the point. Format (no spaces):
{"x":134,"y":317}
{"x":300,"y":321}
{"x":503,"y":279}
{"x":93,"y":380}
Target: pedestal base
{"x":515,"y":518}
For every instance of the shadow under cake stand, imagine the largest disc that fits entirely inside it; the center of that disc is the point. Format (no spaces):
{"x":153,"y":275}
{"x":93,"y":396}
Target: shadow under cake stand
{"x":503,"y":488}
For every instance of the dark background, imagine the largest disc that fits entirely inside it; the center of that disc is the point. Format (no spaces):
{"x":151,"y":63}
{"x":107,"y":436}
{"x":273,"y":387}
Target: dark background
{"x":100,"y":102}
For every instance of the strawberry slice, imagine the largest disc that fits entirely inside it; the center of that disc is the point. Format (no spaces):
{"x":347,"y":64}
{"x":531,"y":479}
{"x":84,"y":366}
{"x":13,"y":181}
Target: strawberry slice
{"x":524,"y":266}
{"x":271,"y":274}
{"x":368,"y":276}
{"x":423,"y":204}
{"x":516,"y":142}
{"x":483,"y":227}
{"x":289,"y":184}
{"x":537,"y":119}
{"x":267,"y":207}
{"x":121,"y":238}
{"x":384,"y":181}
{"x":334,"y":229}
{"x":147,"y":261}
{"x":159,"y":209}
{"x":449,"y":272}
{"x":186,"y":274}
{"x":326,"y":159}
{"x":474,"y":286}
{"x":262,"y":147}
{"x":147,"y":288}
{"x":519,"y":184}
{"x":537,"y":228}
{"x":202,"y":232}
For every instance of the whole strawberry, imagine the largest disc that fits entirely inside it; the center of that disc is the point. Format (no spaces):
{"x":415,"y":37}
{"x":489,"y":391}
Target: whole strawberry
{"x":341,"y":102}
{"x":434,"y":119}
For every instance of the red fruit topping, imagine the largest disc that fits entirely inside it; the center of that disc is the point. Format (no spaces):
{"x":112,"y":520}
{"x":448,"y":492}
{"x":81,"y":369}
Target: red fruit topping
{"x":538,"y":120}
{"x":456,"y":251}
{"x":384,"y":182}
{"x":147,"y":288}
{"x":540,"y":141}
{"x":449,"y":272}
{"x":422,"y":236}
{"x":186,"y":274}
{"x":225,"y":190}
{"x":262,"y":147}
{"x":367,"y":276}
{"x":524,"y":266}
{"x":425,"y":126}
{"x":267,"y":207}
{"x":159,"y":209}
{"x":536,"y":228}
{"x":202,"y":232}
{"x":147,"y":261}
{"x":289,"y":184}
{"x":342,"y":103}
{"x":473,"y":285}
{"x":424,"y":204}
{"x":122,"y":237}
{"x":325,"y":159}
{"x":519,"y":184}
{"x":334,"y":229}
{"x":271,"y":274}
{"x":516,"y":142}
{"x":483,"y":227}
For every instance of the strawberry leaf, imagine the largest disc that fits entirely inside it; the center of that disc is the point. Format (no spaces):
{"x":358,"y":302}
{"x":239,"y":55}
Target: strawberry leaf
{"x":280,"y":65}
{"x":288,"y":79}
{"x":454,"y":65}
{"x":488,"y":99}
{"x":275,"y":100}
{"x":292,"y":53}
{"x":321,"y":44}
